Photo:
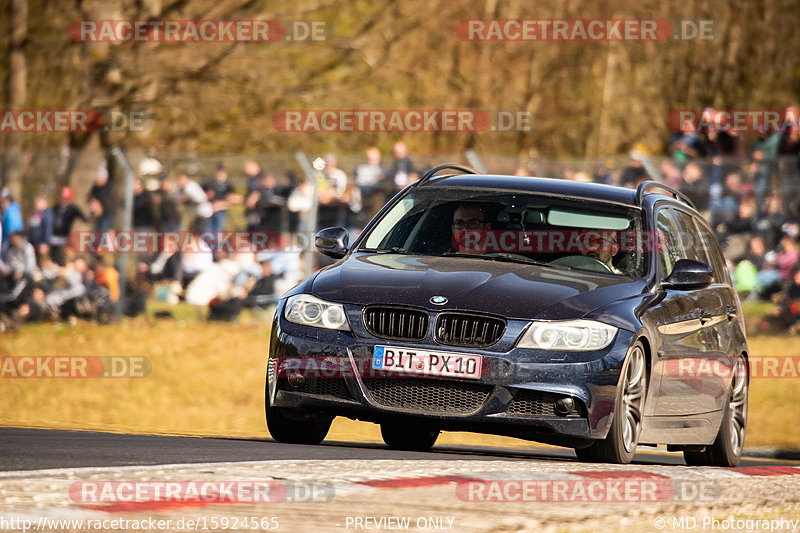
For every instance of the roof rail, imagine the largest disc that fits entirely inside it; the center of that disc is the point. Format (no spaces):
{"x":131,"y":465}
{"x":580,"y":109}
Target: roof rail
{"x":644,"y":186}
{"x":453,"y":166}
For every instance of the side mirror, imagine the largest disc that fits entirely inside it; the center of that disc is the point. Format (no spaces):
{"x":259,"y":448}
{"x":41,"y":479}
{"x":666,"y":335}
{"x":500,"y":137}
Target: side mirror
{"x":332,"y":242}
{"x":689,"y":274}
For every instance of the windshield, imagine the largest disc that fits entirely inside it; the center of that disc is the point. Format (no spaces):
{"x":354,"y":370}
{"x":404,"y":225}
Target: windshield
{"x":514,"y":227}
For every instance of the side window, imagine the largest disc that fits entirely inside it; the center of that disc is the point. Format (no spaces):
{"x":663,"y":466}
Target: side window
{"x":699,"y":244}
{"x":668,"y":245}
{"x":691,"y":246}
{"x":714,"y":254}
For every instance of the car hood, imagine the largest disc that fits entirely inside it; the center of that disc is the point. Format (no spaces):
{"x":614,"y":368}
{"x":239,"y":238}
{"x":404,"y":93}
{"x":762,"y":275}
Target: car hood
{"x":511,"y":290}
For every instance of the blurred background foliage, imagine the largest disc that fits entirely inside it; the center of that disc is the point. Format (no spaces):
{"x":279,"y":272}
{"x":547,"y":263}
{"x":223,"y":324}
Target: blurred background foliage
{"x":589,"y":99}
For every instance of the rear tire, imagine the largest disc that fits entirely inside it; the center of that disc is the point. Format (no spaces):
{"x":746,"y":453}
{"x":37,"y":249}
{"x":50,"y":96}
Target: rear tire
{"x":293,"y":431}
{"x":408,"y":437}
{"x":727,"y":448}
{"x":619,"y":446}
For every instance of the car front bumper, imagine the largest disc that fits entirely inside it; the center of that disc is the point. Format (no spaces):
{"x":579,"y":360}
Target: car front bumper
{"x":515,"y":395}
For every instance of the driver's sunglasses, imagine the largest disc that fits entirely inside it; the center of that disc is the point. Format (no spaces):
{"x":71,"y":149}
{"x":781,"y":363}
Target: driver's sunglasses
{"x":472,"y":223}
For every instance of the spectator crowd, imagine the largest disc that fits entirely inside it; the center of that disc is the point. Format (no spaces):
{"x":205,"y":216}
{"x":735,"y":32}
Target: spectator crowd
{"x":750,"y":197}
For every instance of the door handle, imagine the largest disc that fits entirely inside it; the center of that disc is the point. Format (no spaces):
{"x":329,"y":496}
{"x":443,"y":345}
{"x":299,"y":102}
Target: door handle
{"x":704,"y":317}
{"x":732,"y":313}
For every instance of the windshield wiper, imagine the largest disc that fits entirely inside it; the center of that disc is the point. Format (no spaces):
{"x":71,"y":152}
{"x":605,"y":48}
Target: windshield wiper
{"x":500,"y":256}
{"x":392,"y":250}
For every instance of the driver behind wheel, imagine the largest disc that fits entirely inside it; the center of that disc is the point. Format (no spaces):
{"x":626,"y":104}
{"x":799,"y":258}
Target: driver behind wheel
{"x":600,"y":245}
{"x":468,"y":217}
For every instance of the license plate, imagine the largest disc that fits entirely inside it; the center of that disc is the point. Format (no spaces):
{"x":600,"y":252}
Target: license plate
{"x":428,"y":363}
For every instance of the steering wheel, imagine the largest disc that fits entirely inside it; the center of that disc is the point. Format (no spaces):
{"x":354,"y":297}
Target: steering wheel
{"x":583,"y":262}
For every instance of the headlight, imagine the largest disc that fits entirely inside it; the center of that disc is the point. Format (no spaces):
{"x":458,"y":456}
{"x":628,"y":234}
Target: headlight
{"x":311,"y":311}
{"x":575,"y":335}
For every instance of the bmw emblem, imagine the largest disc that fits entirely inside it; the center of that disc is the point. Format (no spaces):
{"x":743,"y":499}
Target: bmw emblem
{"x":438,"y":300}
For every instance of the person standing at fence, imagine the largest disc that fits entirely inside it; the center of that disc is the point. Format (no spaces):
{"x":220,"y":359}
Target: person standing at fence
{"x":193,"y":197}
{"x":220,"y":193}
{"x":252,"y":173}
{"x":266,"y":205}
{"x":167,"y":205}
{"x":403,"y":167}
{"x":102,"y":201}
{"x":40,"y":225}
{"x":12,"y":215}
{"x":64,"y":216}
{"x":143,"y":211}
{"x":370,"y":178}
{"x":334,"y":195}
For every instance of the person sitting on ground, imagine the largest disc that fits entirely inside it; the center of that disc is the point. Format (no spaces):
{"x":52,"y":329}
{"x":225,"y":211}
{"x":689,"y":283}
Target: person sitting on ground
{"x":18,"y":257}
{"x":71,"y":295}
{"x":260,"y":296}
{"x":17,"y":269}
{"x":786,"y":315}
{"x":105,"y":294}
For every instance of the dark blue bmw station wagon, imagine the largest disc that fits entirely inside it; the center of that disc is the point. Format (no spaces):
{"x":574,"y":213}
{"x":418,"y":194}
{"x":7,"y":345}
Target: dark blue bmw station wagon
{"x":582,"y":315}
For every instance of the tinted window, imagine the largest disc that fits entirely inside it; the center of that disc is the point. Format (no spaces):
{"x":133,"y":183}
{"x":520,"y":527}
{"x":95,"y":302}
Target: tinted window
{"x":691,"y":247}
{"x":512,"y":226}
{"x":714,"y":254}
{"x":699,"y":244}
{"x":668,"y":246}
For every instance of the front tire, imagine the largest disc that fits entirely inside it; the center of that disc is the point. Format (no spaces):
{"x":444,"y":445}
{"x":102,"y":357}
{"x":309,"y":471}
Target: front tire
{"x":408,"y":437}
{"x":619,"y":446}
{"x":297,"y":429}
{"x":727,"y":448}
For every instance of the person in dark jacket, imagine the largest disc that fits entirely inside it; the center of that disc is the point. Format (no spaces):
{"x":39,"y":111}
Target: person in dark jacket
{"x":64,"y":216}
{"x":167,"y":201}
{"x":143,"y":214}
{"x":102,"y":201}
{"x":40,"y":224}
{"x":403,"y":167}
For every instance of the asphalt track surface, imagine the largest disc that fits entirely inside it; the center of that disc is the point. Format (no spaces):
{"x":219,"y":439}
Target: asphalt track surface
{"x":34,"y":449}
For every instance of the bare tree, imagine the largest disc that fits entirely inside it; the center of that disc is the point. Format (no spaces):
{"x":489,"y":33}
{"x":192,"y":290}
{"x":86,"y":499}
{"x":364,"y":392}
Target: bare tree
{"x":17,"y":88}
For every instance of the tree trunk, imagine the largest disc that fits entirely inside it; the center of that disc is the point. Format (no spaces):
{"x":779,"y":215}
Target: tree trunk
{"x":16,"y":84}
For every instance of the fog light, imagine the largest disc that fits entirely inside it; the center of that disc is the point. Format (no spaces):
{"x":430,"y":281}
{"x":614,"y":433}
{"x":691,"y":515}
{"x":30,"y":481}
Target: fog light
{"x":296,"y":380}
{"x":564,"y":406}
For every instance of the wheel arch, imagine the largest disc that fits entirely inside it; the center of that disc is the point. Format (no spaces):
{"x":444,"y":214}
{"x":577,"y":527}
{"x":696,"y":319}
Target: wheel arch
{"x":641,"y":336}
